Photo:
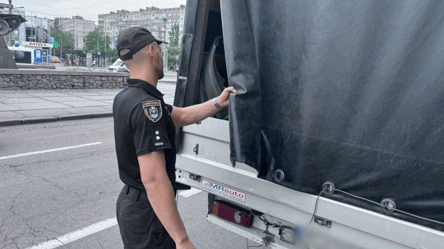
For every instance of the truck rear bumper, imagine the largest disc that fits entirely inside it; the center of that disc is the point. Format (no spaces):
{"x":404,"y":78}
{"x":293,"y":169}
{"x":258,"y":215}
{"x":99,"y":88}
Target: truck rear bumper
{"x":351,"y":227}
{"x":252,"y":233}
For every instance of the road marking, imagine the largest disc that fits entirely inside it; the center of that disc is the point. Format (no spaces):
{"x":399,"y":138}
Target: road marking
{"x":188,"y":193}
{"x":92,"y":229}
{"x":46,"y":151}
{"x":76,"y":235}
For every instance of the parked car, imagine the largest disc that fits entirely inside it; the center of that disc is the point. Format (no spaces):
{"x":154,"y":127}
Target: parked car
{"x":118,"y":66}
{"x":55,"y":59}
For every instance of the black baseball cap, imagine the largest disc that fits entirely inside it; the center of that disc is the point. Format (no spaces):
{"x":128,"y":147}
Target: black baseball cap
{"x":134,"y":39}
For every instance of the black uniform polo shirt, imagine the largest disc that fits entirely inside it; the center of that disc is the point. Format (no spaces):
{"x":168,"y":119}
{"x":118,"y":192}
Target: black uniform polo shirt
{"x":142,"y":124}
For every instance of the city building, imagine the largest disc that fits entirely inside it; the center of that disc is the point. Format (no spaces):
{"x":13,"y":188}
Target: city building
{"x":77,"y":26}
{"x":158,"y":21}
{"x":34,"y":33}
{"x":36,"y":29}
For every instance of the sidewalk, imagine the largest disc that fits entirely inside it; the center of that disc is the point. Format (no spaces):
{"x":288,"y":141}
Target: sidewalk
{"x":38,"y":106}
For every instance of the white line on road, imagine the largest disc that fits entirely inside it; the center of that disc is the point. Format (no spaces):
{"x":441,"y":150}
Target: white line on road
{"x":188,"y":193}
{"x":46,"y":151}
{"x":92,"y":229}
{"x":76,"y":235}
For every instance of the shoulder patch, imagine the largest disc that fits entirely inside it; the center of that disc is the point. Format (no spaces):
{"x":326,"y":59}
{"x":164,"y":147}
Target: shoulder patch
{"x":153,"y":110}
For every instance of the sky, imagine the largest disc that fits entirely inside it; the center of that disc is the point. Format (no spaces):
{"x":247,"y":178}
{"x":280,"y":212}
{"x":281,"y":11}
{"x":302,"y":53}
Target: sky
{"x":89,"y":9}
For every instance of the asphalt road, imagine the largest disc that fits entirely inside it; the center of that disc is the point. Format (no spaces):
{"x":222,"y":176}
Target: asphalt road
{"x":59,"y":178}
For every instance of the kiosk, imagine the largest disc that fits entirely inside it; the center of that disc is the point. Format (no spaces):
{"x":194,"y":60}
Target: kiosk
{"x":42,"y":51}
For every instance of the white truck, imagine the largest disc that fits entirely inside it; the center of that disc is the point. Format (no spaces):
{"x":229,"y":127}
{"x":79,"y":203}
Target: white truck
{"x":335,"y":136}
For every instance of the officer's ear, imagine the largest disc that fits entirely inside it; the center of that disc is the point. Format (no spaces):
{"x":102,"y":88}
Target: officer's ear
{"x":152,"y":49}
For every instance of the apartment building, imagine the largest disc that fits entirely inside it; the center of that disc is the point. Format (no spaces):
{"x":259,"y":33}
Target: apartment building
{"x":77,"y":26}
{"x":158,"y":21}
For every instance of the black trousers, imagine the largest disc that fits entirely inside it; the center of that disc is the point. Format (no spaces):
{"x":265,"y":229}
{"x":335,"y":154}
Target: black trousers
{"x":139,"y":226}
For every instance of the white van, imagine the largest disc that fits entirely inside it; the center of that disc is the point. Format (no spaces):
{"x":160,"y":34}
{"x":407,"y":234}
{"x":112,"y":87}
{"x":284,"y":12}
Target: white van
{"x":118,"y":66}
{"x":22,"y":55}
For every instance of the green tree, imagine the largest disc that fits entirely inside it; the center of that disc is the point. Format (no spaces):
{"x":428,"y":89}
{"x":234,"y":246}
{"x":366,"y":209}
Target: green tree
{"x":64,"y":39}
{"x":174,"y":36}
{"x":95,"y":41}
{"x":174,"y":49}
{"x":112,"y":53}
{"x":172,"y":52}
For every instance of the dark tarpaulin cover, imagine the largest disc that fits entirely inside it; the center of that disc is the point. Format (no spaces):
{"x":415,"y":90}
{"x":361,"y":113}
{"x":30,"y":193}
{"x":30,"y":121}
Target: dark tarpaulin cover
{"x":348,"y":91}
{"x":187,"y":42}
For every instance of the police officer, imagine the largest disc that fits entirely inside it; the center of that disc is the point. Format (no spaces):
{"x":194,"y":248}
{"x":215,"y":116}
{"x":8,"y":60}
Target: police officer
{"x":144,"y":135}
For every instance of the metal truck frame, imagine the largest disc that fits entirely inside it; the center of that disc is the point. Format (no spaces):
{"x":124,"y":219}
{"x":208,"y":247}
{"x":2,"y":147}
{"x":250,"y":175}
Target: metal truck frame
{"x":348,"y":226}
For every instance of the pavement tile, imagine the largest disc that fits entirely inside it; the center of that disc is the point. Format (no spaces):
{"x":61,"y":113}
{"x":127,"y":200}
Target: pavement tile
{"x":107,"y":101}
{"x":4,"y":107}
{"x":50,"y":93}
{"x":89,"y":109}
{"x":83,"y":103}
{"x":10,"y":115}
{"x":38,"y":90}
{"x":97,"y":91}
{"x":43,"y":112}
{"x":80,"y":91}
{"x":7,"y":91}
{"x":36,"y":106}
{"x":14,"y":94}
{"x":108,"y":108}
{"x":31,"y":106}
{"x":101,"y":97}
{"x":28,"y":99}
{"x":109,"y":94}
{"x":64,"y":99}
{"x":83,"y":94}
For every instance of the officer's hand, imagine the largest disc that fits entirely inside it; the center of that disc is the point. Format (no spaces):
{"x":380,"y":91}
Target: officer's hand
{"x":185,"y":245}
{"x":223,"y":98}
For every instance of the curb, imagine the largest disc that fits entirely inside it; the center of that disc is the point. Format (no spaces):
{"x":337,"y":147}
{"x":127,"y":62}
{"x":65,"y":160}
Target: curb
{"x":38,"y":120}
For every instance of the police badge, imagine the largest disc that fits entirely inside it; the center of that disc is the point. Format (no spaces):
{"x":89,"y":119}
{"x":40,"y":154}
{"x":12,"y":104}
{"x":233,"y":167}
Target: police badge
{"x":152,"y":109}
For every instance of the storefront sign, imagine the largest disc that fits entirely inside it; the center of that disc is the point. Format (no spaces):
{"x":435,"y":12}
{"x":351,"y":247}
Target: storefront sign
{"x":38,"y":44}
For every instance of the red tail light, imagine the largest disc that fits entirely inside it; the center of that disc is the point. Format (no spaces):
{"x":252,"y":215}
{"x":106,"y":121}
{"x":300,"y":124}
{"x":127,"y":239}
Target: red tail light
{"x":232,"y":214}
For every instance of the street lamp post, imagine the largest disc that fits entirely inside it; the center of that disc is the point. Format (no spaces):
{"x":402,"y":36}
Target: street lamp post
{"x":98,"y":50}
{"x":166,"y":48}
{"x":61,"y":46}
{"x":11,"y":35}
{"x":105,"y":51}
